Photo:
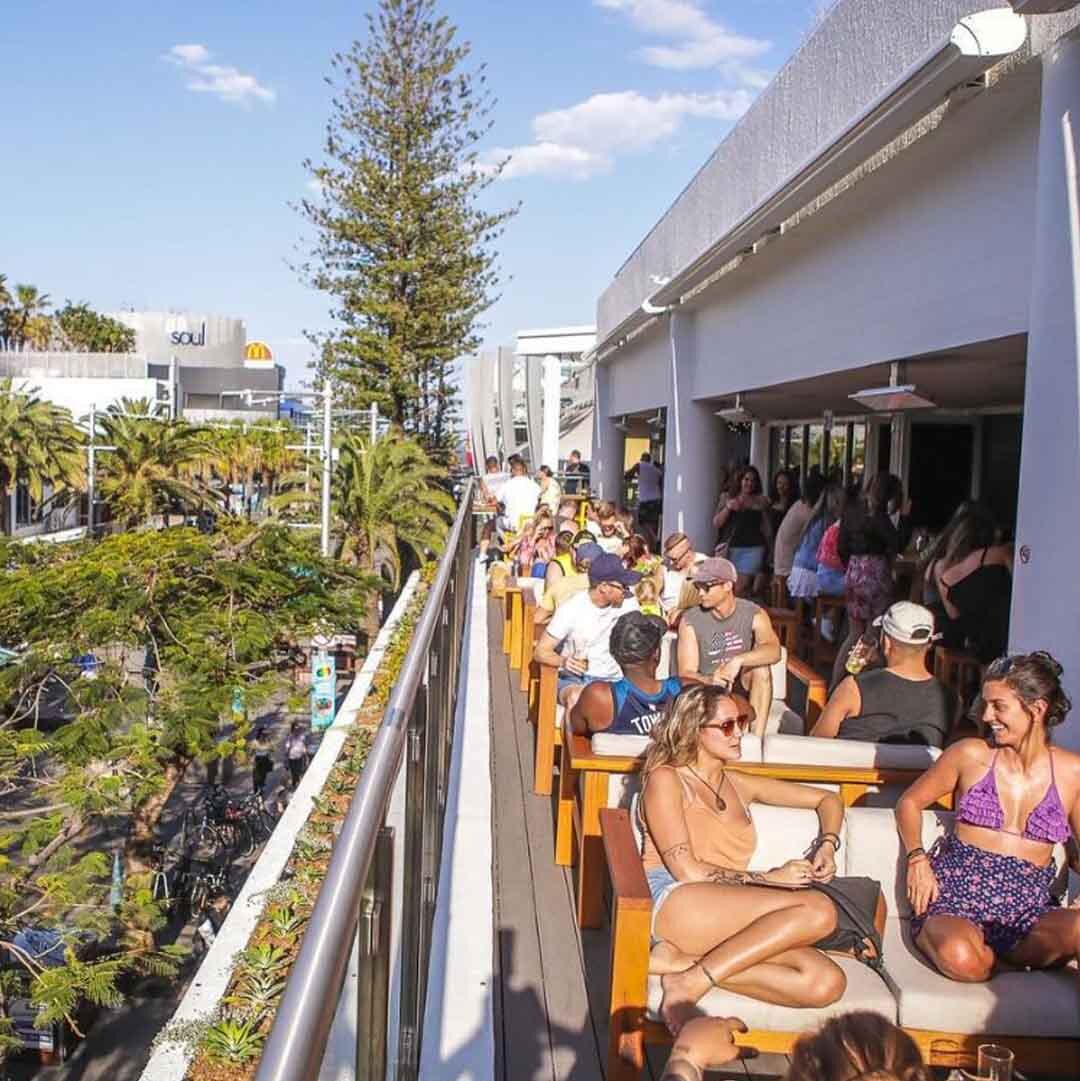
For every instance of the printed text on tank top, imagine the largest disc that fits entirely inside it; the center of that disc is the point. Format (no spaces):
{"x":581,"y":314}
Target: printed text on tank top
{"x":981,"y":806}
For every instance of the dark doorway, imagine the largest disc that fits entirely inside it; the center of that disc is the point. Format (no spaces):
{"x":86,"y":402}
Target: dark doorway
{"x":884,"y":448}
{"x":940,"y":473}
{"x":1000,"y":486}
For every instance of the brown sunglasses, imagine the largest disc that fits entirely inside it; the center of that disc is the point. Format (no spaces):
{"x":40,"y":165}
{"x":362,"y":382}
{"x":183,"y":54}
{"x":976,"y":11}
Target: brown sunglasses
{"x":727,"y":728}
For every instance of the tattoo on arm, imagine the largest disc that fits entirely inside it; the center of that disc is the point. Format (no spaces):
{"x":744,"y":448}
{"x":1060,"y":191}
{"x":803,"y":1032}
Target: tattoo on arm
{"x":681,"y":1069}
{"x":680,"y":849}
{"x":724,"y":877}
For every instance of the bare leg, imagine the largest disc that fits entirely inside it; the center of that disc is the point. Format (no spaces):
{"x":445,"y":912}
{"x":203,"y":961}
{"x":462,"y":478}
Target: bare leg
{"x":956,"y":948}
{"x":758,"y":683}
{"x":569,"y":695}
{"x":734,"y":928}
{"x":1052,"y":942}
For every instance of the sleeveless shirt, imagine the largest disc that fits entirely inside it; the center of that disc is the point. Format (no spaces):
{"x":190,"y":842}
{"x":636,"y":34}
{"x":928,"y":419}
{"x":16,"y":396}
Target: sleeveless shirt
{"x":634,"y":712}
{"x":720,"y":639}
{"x":724,"y":842}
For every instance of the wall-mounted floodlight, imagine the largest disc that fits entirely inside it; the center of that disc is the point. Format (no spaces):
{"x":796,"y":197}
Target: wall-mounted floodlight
{"x":892,"y":399}
{"x":1042,"y":7}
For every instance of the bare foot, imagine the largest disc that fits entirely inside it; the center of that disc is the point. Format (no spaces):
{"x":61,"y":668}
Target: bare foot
{"x":682,"y":991}
{"x":664,"y":958}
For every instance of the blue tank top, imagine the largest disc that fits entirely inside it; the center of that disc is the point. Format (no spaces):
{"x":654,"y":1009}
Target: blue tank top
{"x":635,"y":711}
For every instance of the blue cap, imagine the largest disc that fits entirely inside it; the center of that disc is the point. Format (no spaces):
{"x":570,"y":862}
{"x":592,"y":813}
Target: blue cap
{"x":590,"y":550}
{"x":609,"y":568}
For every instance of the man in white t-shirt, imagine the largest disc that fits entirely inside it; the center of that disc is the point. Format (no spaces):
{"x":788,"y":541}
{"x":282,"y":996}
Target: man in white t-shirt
{"x":679,"y":560}
{"x":576,"y":639}
{"x":520,"y":494}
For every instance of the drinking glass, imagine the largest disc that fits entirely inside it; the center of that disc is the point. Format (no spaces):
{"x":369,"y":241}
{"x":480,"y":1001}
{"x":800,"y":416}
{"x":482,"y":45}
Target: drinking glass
{"x":995,"y":1062}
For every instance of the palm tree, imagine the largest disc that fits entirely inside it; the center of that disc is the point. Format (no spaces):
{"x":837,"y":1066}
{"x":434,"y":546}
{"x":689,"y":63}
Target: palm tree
{"x":30,"y":303}
{"x":39,"y":447}
{"x":386,"y":496}
{"x":153,"y":465}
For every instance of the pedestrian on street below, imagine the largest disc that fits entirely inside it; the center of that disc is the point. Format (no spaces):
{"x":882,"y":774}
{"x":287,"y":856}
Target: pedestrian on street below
{"x":296,"y":753}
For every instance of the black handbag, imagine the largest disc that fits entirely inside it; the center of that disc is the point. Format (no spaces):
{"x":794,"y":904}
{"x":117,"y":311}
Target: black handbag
{"x":860,"y":919}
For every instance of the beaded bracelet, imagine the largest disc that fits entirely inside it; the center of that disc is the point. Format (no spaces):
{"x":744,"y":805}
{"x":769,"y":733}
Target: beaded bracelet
{"x":915,"y":852}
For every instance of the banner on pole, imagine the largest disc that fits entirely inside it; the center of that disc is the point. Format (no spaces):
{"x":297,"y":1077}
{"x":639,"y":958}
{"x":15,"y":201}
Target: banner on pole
{"x":323,"y":689}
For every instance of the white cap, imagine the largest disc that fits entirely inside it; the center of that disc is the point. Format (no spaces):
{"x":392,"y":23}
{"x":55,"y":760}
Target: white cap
{"x":909,"y":623}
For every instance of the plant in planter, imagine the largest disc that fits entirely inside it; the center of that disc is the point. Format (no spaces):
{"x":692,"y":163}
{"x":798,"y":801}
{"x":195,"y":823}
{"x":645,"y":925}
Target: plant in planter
{"x":234,"y":1039}
{"x":284,"y":921}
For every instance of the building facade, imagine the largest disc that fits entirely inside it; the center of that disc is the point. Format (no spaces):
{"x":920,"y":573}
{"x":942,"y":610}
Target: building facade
{"x":876,"y":269}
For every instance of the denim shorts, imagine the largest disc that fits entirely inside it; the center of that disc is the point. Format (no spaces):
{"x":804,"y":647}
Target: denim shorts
{"x":661,"y":883}
{"x":748,"y":560}
{"x":571,"y":679}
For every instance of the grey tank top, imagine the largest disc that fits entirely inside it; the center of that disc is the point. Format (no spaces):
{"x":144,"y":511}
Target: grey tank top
{"x":720,"y":639}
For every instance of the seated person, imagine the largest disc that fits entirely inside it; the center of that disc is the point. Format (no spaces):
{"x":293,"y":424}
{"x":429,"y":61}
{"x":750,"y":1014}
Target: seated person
{"x":727,"y":640}
{"x":900,"y":703}
{"x":562,"y":563}
{"x":679,"y":560}
{"x":581,"y":628}
{"x":632,"y":705}
{"x":585,"y":550}
{"x":982,"y":893}
{"x":714,"y":923}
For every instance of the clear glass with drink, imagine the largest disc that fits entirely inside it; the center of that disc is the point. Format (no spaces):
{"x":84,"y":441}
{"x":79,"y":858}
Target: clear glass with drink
{"x":995,"y":1063}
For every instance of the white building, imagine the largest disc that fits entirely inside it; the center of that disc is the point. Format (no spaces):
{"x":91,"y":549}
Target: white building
{"x":535,"y":399}
{"x":899,"y":207}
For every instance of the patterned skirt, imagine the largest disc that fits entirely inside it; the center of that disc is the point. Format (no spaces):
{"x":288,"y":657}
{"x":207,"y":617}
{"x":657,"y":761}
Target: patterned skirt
{"x":868,"y":587}
{"x":1004,"y":896}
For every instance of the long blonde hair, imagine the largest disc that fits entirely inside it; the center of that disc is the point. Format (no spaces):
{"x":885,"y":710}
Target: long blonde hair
{"x":676,"y":736}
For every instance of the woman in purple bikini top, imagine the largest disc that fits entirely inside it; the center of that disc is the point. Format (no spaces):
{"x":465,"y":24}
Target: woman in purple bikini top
{"x":981,"y":806}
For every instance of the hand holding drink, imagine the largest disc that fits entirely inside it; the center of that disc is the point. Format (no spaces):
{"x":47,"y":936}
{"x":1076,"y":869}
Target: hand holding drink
{"x":577,"y":663}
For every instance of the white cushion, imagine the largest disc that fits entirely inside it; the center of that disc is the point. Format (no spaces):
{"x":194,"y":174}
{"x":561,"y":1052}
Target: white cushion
{"x":873,"y":849}
{"x":560,"y":712}
{"x":621,"y":788}
{"x":785,"y":833}
{"x":535,"y":586}
{"x":632,"y":746}
{"x":782,"y":719}
{"x":1013,"y":1003}
{"x":865,"y":991}
{"x":779,"y":677}
{"x":809,"y":750}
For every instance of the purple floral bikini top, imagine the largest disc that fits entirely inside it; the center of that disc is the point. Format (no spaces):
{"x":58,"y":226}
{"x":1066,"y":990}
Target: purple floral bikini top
{"x":980,"y":805}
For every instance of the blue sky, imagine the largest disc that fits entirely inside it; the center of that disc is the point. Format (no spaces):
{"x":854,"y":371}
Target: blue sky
{"x":140,"y":174}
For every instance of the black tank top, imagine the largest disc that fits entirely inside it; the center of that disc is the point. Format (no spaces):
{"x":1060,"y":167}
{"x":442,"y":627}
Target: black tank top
{"x":747,"y":531}
{"x":898,"y":710}
{"x":983,"y":599}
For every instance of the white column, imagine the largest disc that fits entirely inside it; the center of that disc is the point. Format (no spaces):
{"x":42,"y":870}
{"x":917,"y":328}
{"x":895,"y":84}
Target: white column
{"x":759,"y":450}
{"x":608,"y":442}
{"x":693,"y":447}
{"x":1045,"y":614}
{"x":552,"y":390}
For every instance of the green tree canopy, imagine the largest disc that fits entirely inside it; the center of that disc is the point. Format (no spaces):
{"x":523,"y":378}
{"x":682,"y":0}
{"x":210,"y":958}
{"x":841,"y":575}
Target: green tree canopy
{"x":401,"y":241}
{"x":177,"y":621}
{"x":83,"y":330}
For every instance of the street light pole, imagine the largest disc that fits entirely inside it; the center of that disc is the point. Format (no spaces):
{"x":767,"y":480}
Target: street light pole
{"x":328,"y":465}
{"x":91,"y":471}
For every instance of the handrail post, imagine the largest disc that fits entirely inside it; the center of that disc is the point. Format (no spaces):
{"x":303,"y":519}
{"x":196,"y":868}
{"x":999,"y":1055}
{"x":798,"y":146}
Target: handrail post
{"x":373,"y":978}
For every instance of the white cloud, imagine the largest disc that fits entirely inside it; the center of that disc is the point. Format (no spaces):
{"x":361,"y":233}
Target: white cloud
{"x":583,"y":140}
{"x":228,"y":83}
{"x":545,"y":159}
{"x":698,"y":41}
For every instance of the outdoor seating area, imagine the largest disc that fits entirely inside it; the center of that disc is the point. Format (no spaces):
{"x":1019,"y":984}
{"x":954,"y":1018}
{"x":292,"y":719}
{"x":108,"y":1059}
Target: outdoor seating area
{"x":591,"y":784}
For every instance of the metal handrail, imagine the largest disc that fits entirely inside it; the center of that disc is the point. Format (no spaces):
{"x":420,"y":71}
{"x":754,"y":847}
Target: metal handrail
{"x":297,"y":1041}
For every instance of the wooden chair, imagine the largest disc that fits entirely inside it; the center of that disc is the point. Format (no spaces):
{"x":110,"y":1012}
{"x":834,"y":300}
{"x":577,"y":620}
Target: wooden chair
{"x":777,"y":595}
{"x":511,"y":594}
{"x":525,"y":650}
{"x":548,"y":734}
{"x":786,"y":624}
{"x":957,"y":669}
{"x":517,"y":612}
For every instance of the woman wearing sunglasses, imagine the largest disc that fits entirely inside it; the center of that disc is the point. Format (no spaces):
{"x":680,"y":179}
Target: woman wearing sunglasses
{"x":714,"y":923}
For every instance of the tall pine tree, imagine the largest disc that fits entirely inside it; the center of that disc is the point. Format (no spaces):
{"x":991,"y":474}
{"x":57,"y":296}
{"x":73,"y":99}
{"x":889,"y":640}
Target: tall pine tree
{"x":402,"y":243}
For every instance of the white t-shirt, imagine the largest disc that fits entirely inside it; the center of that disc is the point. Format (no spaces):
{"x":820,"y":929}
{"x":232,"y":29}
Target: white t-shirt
{"x":495,"y":482}
{"x":585,"y":630}
{"x":673,"y":583}
{"x":650,"y":483}
{"x":519,"y":496}
{"x":613,"y":545}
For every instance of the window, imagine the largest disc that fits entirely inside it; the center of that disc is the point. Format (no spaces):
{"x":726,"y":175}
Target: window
{"x":25,"y":507}
{"x":796,"y":457}
{"x":858,"y":451}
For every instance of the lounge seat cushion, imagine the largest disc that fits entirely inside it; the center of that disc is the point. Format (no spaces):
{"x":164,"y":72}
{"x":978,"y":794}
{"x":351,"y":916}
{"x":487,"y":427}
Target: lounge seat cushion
{"x":785,"y":833}
{"x":847,"y":752}
{"x":632,"y":746}
{"x":1011,"y":1004}
{"x":865,"y":991}
{"x":783,"y":720}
